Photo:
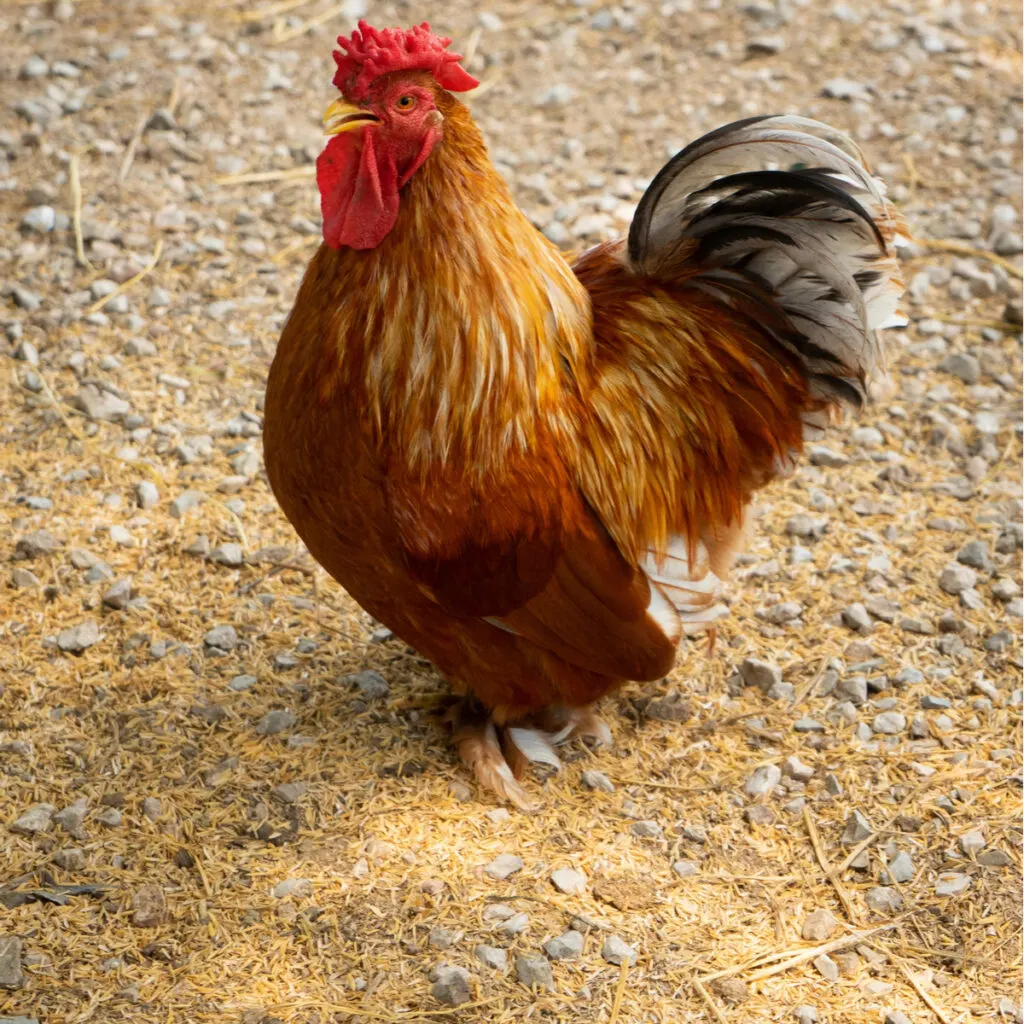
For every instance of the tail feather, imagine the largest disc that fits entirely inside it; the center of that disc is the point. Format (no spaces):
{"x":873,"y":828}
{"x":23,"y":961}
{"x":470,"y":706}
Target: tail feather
{"x":805,"y":251}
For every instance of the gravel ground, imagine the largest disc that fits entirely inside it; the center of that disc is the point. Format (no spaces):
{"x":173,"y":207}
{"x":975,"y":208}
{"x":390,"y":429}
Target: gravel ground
{"x":248,"y":782}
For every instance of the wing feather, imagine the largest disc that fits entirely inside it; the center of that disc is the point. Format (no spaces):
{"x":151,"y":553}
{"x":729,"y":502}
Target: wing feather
{"x":569,"y":591}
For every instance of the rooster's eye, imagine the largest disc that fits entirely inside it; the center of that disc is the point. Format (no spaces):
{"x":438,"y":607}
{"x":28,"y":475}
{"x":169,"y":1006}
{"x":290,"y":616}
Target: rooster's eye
{"x":405,"y":103}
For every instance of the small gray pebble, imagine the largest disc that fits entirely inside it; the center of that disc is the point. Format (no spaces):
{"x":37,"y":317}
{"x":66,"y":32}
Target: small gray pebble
{"x":857,"y":829}
{"x":856,"y":617}
{"x":34,"y":545}
{"x":998,"y":642}
{"x":965,"y":367}
{"x":535,"y":972}
{"x":566,"y":946}
{"x":35,"y":819}
{"x":598,"y":781}
{"x":972,"y":842}
{"x":908,"y":676}
{"x":882,"y":608}
{"x":952,"y":883}
{"x":504,"y":865}
{"x":222,"y":638}
{"x":441,"y":937}
{"x":827,"y":967}
{"x":819,"y":455}
{"x":853,"y":688}
{"x":808,"y":725}
{"x":763,"y":780}
{"x":805,"y":526}
{"x":497,"y":912}
{"x":844,"y":712}
{"x":646,"y":829}
{"x":794,"y":768}
{"x":146,"y":494}
{"x":110,"y":817}
{"x":890,"y":723}
{"x":883,"y":899}
{"x":765,"y":45}
{"x":372,"y":685}
{"x":227,"y":554}
{"x":759,"y":815}
{"x":140,"y":347}
{"x":70,"y":858}
{"x":185,"y":501}
{"x":921,"y":627}
{"x":896,"y":1017}
{"x":292,"y":887}
{"x":99,"y":573}
{"x":220,"y":310}
{"x":975,"y":555}
{"x":994,"y":858}
{"x":274,"y":722}
{"x":70,"y":818}
{"x":289,"y":792}
{"x":569,"y":881}
{"x":901,"y":867}
{"x":492,"y":956}
{"x":616,"y":951}
{"x":118,"y":596}
{"x":26,"y":298}
{"x":198,"y":546}
{"x":819,"y":926}
{"x":11,"y":974}
{"x":40,"y":220}
{"x":77,"y":639}
{"x":956,"y":578}
{"x":762,"y":674}
{"x":515,"y":925}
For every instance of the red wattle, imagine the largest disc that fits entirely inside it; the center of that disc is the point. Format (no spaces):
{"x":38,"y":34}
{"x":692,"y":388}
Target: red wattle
{"x":358,"y":191}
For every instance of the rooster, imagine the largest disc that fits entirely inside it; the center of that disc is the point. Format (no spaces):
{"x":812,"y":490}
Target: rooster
{"x":538,"y":474}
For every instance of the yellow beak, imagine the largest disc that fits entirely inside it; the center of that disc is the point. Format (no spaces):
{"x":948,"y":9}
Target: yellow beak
{"x":342,"y":116}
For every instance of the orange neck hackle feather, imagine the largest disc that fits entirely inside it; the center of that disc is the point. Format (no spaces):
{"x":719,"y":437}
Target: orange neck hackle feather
{"x":460,"y":331}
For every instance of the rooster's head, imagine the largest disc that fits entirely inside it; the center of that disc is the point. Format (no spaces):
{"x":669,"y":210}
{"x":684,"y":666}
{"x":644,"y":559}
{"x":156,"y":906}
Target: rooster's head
{"x":383,"y":127}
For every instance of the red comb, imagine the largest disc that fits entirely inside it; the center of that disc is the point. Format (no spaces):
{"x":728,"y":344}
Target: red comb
{"x":371,"y":52}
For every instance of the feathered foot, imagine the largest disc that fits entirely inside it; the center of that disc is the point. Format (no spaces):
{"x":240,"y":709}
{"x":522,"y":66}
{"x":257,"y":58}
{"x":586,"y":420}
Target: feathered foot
{"x":498,"y":755}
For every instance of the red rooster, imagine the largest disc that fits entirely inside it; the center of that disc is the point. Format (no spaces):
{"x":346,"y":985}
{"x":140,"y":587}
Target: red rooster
{"x":538,"y":474}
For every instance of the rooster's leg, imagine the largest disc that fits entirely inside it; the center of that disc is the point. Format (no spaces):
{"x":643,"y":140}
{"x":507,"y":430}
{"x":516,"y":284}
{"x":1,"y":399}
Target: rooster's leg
{"x":498,"y":754}
{"x":479,"y":745}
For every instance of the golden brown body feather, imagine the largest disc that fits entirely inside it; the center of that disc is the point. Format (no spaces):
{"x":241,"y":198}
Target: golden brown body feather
{"x":479,"y":442}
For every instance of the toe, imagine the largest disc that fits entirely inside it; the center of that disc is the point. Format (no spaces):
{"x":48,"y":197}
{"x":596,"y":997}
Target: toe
{"x":588,"y":726}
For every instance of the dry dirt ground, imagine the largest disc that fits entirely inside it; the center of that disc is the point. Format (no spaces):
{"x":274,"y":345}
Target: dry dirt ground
{"x":264,"y":835}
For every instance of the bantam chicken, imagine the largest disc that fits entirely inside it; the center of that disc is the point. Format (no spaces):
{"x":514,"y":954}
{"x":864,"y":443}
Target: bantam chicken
{"x":535,"y":473}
